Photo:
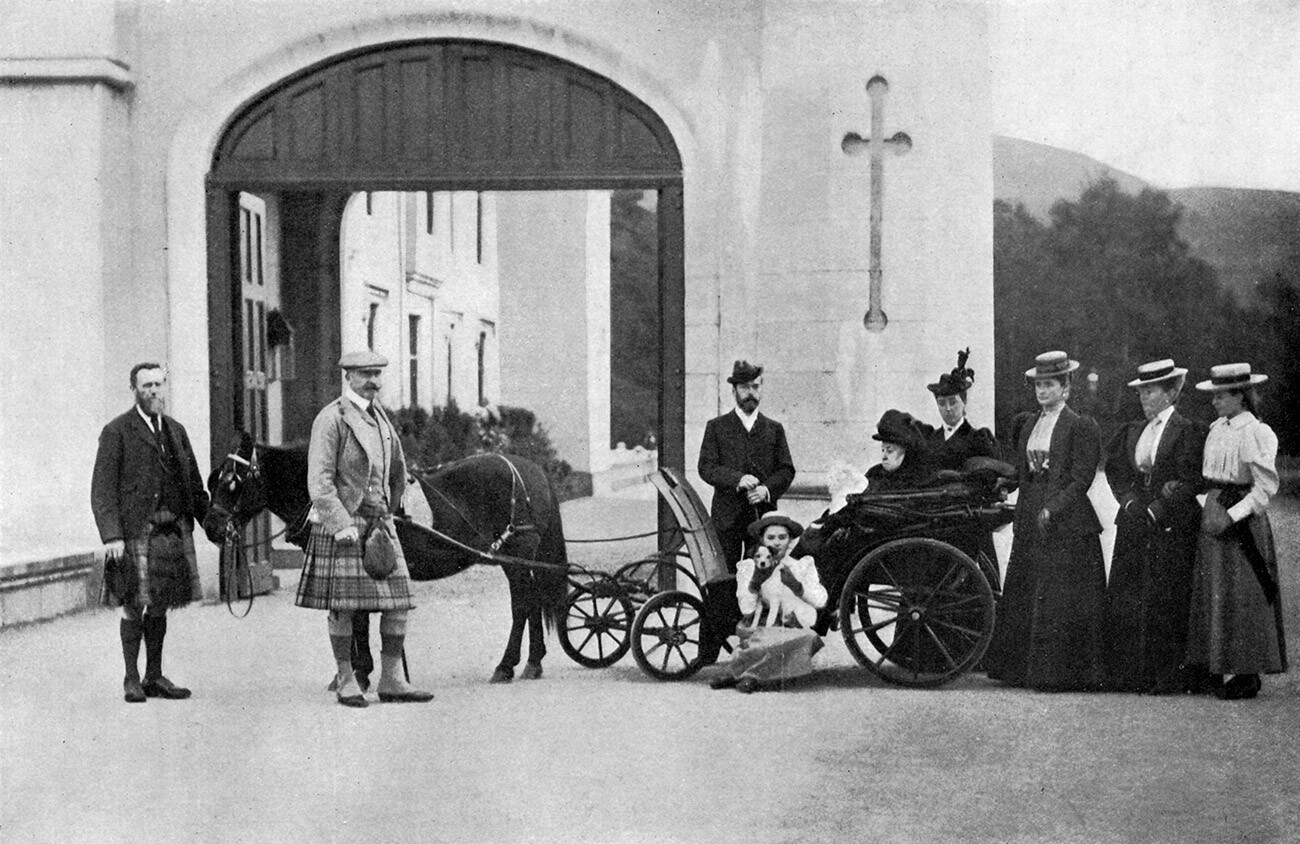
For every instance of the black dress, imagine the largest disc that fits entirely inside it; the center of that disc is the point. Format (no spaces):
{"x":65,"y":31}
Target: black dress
{"x":1047,"y":634}
{"x":1149,"y":592}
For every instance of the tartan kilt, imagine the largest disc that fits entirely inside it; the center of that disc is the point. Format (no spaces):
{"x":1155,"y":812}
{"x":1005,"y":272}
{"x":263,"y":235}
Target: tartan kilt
{"x":333,"y":577}
{"x":169,"y":577}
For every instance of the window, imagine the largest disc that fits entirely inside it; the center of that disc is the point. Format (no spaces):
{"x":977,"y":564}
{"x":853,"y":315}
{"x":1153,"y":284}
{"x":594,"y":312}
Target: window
{"x":449,"y":347}
{"x":428,"y":212}
{"x":369,"y":208}
{"x":370,"y":325}
{"x":413,"y":348}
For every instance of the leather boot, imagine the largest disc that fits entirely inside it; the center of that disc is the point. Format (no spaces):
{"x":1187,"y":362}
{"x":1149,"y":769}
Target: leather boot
{"x":155,"y":684}
{"x":130,"y":631}
{"x":393,"y":688}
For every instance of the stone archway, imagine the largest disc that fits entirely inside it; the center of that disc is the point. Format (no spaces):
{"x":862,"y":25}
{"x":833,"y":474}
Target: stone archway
{"x":438,"y":114}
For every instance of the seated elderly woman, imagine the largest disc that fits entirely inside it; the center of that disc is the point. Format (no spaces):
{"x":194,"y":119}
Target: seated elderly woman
{"x":779,"y":597}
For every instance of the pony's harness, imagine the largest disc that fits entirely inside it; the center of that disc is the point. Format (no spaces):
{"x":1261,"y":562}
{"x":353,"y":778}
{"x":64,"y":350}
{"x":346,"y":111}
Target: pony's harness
{"x":512,"y":528}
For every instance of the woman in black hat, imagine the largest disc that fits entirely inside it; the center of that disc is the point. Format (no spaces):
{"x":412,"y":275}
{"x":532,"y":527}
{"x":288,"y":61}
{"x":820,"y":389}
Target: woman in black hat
{"x":903,"y":461}
{"x":1047,"y":634}
{"x":956,"y":440}
{"x":1153,"y":466}
{"x":1236,"y":614}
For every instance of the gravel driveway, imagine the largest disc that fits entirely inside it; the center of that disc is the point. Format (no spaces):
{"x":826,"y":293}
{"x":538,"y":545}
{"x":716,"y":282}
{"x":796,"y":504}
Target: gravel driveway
{"x":261,"y":752}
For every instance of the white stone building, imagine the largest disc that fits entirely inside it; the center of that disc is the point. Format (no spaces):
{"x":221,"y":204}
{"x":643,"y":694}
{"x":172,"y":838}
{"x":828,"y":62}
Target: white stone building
{"x":129,"y":130}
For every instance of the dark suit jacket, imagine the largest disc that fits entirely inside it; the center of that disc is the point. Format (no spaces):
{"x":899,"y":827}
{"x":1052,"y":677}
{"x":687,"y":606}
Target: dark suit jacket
{"x":128,"y":477}
{"x":1178,"y":459}
{"x":730,"y":452}
{"x":966,"y":442}
{"x":1062,"y":488}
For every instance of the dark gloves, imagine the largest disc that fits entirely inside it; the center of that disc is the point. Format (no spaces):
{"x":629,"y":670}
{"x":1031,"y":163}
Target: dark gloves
{"x":1214,"y":519}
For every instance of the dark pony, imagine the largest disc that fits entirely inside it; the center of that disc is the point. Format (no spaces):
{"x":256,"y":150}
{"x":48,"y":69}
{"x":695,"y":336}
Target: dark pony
{"x":486,"y":508}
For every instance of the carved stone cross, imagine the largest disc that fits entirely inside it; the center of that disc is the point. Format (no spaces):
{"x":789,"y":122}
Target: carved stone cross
{"x":854,"y":144}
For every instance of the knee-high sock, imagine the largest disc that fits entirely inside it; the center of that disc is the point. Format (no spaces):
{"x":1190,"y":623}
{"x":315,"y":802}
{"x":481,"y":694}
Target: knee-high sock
{"x":130,"y":631}
{"x":155,"y":630}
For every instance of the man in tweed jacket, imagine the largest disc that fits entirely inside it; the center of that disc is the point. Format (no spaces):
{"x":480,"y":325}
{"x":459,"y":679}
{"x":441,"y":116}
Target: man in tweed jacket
{"x":356,"y":474}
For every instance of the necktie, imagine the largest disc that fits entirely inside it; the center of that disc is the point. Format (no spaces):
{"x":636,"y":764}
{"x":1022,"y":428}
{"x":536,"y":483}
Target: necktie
{"x":155,"y":424}
{"x":1146,"y":447}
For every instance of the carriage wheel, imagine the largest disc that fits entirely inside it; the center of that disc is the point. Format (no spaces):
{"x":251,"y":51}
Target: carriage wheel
{"x":666,"y":635}
{"x":917,"y":612}
{"x":597,"y":618}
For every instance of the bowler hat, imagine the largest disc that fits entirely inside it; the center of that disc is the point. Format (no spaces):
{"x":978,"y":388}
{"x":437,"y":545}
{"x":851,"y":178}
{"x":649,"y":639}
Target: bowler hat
{"x":1231,"y":376}
{"x":743,"y":372}
{"x":1157,"y":371}
{"x":955,"y":382}
{"x":363,"y":360}
{"x":1052,"y":365}
{"x":775,"y":517}
{"x":898,"y":428}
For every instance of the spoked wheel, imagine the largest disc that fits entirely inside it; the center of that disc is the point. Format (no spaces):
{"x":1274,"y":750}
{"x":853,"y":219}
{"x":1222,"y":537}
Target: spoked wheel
{"x":666,"y":635}
{"x":917,"y":612}
{"x":597,"y":620}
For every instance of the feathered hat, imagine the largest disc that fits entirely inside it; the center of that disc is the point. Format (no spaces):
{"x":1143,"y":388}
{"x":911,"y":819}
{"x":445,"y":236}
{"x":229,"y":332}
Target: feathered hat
{"x":957,"y":381}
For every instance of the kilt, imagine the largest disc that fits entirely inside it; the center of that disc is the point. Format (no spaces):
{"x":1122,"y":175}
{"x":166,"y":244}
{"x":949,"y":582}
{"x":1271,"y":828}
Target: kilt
{"x":333,"y":577}
{"x":167,"y":577}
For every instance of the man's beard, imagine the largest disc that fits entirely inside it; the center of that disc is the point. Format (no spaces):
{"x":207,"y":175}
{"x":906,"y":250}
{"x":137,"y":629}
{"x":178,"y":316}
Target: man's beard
{"x":749,"y":405}
{"x":151,"y":407}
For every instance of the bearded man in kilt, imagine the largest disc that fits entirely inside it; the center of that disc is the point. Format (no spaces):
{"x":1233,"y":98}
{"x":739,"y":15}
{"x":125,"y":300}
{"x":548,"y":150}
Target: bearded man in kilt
{"x":356,"y":474}
{"x":146,"y":493}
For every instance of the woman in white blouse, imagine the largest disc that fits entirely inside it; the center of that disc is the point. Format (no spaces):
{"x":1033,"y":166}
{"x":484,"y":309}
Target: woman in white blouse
{"x":1236,"y":618}
{"x":779,"y":596}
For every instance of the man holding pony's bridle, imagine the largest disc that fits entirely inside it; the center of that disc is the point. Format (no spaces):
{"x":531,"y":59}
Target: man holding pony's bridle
{"x":356,"y":474}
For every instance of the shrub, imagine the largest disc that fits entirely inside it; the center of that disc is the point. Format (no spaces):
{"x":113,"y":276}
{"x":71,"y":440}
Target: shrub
{"x":447,"y":433}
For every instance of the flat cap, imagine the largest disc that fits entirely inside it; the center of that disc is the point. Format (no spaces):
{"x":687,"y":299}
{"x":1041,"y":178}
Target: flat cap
{"x":363,"y":360}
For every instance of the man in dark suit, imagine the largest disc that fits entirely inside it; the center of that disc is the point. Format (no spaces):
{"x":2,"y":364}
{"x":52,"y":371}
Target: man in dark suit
{"x":146,"y":494}
{"x":745,"y":458}
{"x":1153,"y":466}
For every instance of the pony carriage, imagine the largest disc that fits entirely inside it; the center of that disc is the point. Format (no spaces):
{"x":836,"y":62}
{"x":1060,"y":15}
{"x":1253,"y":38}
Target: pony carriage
{"x":910,"y":587}
{"x":913,"y":605}
{"x":911,"y":577}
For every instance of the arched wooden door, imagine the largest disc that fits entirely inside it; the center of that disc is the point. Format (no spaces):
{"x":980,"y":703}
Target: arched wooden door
{"x":440,"y":115}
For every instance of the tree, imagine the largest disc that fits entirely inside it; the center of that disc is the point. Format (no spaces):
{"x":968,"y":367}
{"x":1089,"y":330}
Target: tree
{"x":634,"y":320}
{"x":1109,"y":281}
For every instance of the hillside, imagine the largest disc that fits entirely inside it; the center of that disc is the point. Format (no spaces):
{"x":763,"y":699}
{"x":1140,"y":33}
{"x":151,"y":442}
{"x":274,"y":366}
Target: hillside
{"x":1246,"y":235}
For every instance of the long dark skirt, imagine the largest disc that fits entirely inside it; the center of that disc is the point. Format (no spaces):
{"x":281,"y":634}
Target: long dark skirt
{"x":1233,"y":627}
{"x":1048,"y":630}
{"x":1147,"y":603}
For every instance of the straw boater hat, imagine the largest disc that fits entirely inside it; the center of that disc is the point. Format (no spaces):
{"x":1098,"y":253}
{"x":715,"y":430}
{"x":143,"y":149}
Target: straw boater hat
{"x":1157,"y":371}
{"x":743,"y":372}
{"x":1231,"y":376}
{"x":776,"y":517}
{"x":363,"y":360}
{"x":1051,"y":365}
{"x":955,"y":382}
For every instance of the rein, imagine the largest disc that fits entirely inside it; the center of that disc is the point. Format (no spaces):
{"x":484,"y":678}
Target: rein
{"x":511,"y":528}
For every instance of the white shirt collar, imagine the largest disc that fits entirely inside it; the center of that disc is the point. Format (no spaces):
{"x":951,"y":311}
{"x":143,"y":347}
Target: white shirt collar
{"x":1163,"y":415}
{"x":948,"y":431}
{"x":355,"y":398}
{"x":147,"y":421}
{"x":747,"y":419}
